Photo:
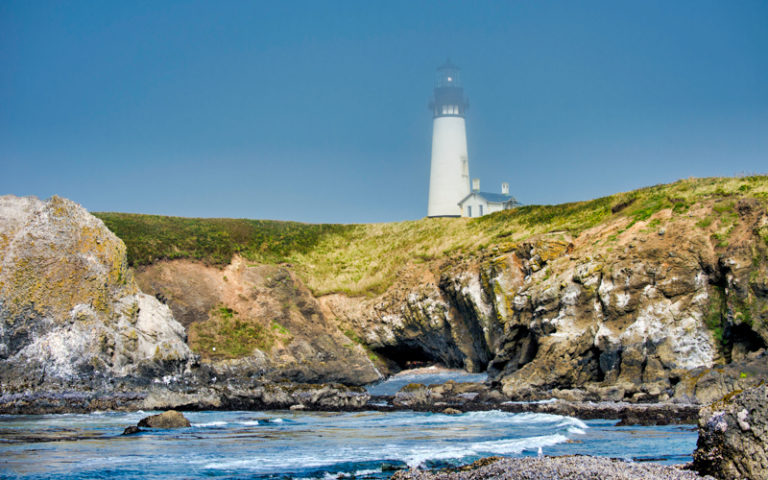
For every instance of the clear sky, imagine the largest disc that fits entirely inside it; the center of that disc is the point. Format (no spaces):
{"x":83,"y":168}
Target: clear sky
{"x":317,"y":111}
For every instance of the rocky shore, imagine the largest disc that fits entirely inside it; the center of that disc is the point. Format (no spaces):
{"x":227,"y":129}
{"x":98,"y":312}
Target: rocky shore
{"x":191,"y":397}
{"x":556,"y":468}
{"x":326,"y":397}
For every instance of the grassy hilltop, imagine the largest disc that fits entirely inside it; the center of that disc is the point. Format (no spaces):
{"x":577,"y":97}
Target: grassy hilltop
{"x":364,"y":259}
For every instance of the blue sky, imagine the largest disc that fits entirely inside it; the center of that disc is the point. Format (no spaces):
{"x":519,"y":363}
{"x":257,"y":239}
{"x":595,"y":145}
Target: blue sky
{"x":317,"y":111}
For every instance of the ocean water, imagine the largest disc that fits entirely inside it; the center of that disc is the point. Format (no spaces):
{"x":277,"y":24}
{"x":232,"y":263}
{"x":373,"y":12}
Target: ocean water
{"x":427,"y":376}
{"x":287,"y":444}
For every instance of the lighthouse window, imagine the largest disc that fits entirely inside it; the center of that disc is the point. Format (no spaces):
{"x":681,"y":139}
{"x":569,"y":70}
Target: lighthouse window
{"x":445,"y":109}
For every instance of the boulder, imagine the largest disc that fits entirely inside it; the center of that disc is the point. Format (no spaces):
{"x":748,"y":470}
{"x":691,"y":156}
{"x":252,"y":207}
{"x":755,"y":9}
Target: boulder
{"x":169,"y":419}
{"x":132,"y":430}
{"x":733,"y":436}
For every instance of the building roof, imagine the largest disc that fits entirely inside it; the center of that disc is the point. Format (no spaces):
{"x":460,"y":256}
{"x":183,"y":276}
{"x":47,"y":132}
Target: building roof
{"x":493,"y":198}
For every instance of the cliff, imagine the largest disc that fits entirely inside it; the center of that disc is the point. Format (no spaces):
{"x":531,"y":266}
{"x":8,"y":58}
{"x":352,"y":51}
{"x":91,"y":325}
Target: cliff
{"x":647,"y":295}
{"x":70,"y":311}
{"x":650,"y":295}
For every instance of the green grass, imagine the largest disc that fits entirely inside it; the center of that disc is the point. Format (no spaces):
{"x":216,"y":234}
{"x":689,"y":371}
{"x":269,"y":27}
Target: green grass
{"x":367,"y":259}
{"x":227,"y":335}
{"x":150,"y":238}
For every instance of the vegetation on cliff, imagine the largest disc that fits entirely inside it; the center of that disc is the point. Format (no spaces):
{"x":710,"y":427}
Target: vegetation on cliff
{"x":366,"y":259}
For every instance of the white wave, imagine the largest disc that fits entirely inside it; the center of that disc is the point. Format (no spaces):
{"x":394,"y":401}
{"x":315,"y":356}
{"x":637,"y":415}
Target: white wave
{"x":210,"y":424}
{"x":417,"y":457}
{"x":275,"y":420}
{"x":576,"y":431}
{"x":360,"y":473}
{"x":525,"y":418}
{"x":572,"y":422}
{"x":517,"y":445}
{"x":250,"y":423}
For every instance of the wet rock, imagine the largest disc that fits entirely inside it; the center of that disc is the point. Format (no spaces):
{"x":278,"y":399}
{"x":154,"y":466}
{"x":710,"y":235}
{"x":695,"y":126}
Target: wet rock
{"x":132,"y":430}
{"x":452,"y":411}
{"x":169,"y":419}
{"x":733,"y":436}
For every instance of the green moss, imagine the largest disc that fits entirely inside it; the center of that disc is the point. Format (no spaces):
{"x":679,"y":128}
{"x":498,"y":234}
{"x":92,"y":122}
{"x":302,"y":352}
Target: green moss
{"x":276,"y":327}
{"x":743,"y":313}
{"x":412,"y":387}
{"x":715,"y":317}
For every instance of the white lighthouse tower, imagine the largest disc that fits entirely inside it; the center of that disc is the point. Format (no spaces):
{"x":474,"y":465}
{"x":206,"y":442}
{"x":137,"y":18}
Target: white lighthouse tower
{"x":449,"y":172}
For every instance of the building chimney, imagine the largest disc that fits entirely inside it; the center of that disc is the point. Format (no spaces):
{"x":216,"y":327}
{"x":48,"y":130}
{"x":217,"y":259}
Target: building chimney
{"x":475,"y":184}
{"x":504,"y":188}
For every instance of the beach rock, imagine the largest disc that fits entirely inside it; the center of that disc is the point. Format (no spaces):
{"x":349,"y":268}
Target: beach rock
{"x":733,"y":436}
{"x":169,"y":419}
{"x":452,"y":411}
{"x":132,"y":430}
{"x":571,"y":467}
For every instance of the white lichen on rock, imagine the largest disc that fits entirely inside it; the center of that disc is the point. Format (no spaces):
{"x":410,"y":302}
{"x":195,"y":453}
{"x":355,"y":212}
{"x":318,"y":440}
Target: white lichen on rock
{"x":69,"y":307}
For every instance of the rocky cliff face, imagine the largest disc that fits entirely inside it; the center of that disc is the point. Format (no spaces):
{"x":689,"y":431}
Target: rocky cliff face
{"x":631,"y":309}
{"x":70,"y":311}
{"x":636,"y":310}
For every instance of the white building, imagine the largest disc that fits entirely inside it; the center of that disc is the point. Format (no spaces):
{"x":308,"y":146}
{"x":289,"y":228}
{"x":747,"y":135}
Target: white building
{"x":478,"y":203}
{"x":449,"y":170}
{"x":449,"y":193}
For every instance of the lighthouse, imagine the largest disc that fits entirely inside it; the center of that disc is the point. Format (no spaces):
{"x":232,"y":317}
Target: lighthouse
{"x":449,"y":170}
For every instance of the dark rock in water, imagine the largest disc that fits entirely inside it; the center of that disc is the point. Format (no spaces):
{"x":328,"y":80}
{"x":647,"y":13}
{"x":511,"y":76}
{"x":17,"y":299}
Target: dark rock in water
{"x":133,"y":429}
{"x":169,"y":419}
{"x":733,"y":436}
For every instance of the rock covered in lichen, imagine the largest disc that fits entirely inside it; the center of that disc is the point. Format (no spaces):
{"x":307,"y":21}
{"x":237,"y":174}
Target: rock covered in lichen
{"x":70,"y":310}
{"x":733,"y":436}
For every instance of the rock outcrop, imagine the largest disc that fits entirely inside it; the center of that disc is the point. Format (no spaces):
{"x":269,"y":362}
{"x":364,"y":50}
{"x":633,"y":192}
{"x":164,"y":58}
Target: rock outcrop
{"x":733,"y":436}
{"x":167,"y":419}
{"x":70,"y":311}
{"x":637,"y":310}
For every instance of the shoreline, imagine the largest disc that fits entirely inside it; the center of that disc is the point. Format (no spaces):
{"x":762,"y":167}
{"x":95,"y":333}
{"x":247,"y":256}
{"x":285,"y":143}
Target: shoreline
{"x":335,"y":400}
